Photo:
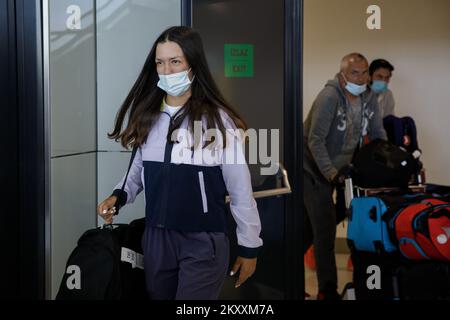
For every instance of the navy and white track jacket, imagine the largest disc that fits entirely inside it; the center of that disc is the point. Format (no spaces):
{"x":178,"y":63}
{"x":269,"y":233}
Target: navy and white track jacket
{"x":185,"y":192}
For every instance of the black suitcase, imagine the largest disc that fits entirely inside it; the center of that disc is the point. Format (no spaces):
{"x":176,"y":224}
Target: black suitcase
{"x":392,"y":277}
{"x":427,"y":280}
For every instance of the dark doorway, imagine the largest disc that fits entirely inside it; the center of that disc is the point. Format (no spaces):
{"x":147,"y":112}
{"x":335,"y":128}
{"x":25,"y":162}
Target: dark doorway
{"x":265,"y":88}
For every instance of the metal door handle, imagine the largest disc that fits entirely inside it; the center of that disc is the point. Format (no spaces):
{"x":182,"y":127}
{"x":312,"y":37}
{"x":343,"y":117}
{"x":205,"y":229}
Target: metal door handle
{"x":285,"y":189}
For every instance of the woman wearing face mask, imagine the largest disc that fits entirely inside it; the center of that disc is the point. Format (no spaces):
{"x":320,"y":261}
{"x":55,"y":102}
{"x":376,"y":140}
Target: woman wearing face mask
{"x":184,"y":174}
{"x":380,"y":72}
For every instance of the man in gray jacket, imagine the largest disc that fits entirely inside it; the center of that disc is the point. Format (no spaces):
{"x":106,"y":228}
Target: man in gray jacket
{"x":344,"y":116}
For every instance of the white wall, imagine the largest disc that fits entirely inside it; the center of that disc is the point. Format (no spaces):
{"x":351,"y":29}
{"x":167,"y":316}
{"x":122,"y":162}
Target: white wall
{"x":72,"y":115}
{"x":126,"y":31}
{"x":415,"y":38}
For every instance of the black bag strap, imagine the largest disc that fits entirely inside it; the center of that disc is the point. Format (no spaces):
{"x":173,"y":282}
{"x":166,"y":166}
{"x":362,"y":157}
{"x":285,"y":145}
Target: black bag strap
{"x":133,"y":155}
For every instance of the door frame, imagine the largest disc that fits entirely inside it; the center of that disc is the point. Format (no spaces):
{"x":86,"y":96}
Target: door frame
{"x":293,"y":135}
{"x":32,"y":137}
{"x":9,"y":227}
{"x":23,"y":211}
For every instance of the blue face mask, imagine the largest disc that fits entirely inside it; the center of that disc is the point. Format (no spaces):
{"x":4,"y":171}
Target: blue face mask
{"x":354,"y":88}
{"x":175,"y":84}
{"x":379,"y":86}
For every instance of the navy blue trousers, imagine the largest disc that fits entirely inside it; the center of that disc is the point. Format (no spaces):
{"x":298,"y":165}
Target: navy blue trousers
{"x":184,"y":265}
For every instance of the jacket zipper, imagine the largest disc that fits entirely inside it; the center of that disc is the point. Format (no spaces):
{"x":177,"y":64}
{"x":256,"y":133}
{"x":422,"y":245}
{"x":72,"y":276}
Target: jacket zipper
{"x":166,"y":176}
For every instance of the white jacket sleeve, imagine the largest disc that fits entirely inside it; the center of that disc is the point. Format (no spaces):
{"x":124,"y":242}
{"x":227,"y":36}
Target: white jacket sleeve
{"x":134,"y":184}
{"x":243,"y":207}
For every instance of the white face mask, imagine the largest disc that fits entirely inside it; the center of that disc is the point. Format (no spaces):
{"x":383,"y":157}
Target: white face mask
{"x":175,"y":84}
{"x":354,"y":88}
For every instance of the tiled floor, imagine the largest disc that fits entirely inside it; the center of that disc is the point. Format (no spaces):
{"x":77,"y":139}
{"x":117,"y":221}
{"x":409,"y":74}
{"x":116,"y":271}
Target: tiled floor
{"x":344,"y":275}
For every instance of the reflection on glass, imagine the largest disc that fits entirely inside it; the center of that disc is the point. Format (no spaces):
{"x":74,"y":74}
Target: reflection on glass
{"x":72,"y":77}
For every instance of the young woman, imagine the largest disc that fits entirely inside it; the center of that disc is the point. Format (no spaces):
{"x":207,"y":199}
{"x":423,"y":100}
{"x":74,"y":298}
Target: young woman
{"x":185,"y":245}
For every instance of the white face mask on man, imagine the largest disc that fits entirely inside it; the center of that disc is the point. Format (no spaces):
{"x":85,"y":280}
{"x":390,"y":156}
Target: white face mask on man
{"x":354,"y":88}
{"x":175,"y":84}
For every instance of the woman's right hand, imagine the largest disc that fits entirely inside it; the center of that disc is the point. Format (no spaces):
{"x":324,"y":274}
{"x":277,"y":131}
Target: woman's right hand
{"x":106,"y":209}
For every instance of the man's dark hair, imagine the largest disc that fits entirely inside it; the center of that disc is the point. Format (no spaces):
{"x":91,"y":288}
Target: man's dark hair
{"x":379,"y":64}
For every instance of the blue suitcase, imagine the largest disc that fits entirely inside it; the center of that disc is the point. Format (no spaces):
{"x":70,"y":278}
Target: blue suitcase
{"x":367,"y":230}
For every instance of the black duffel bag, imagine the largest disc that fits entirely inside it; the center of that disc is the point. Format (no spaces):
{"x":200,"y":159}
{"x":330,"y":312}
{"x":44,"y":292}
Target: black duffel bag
{"x":383,"y":164}
{"x":106,"y":264}
{"x":132,"y":260}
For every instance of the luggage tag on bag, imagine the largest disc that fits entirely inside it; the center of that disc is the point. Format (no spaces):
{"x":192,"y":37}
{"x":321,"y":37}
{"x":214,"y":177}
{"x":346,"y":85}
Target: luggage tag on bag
{"x":130,"y":256}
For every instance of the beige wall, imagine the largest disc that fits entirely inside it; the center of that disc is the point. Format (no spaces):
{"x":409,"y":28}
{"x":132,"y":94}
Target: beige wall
{"x":415,"y":37}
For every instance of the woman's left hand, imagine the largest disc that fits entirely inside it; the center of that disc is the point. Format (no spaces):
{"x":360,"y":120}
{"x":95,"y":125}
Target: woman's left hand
{"x":247,"y":268}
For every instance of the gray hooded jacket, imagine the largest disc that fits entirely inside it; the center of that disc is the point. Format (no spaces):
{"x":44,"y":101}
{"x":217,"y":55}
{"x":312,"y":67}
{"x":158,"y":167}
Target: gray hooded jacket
{"x":331,"y":133}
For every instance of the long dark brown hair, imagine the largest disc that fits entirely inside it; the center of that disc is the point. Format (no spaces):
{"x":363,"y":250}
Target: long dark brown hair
{"x":144,"y":100}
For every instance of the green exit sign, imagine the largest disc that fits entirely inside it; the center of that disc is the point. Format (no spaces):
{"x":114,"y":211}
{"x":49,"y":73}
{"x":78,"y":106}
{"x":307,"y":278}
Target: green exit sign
{"x":238,"y":60}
